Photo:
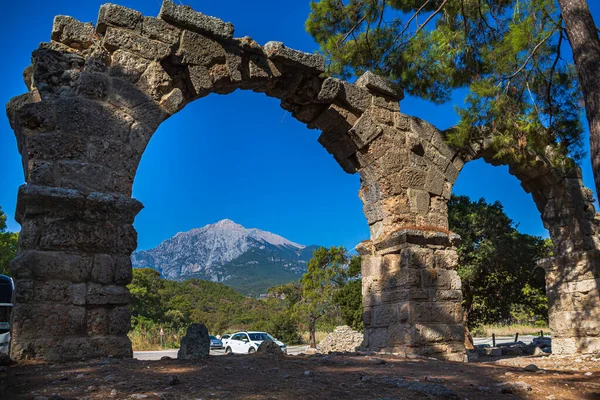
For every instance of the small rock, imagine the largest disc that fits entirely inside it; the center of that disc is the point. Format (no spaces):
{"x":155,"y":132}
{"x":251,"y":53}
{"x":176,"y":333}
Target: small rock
{"x":166,"y":358}
{"x":531,"y":368}
{"x":308,"y":373}
{"x":483,"y":388}
{"x":173,"y":380}
{"x":139,"y":396}
{"x":514,"y":387}
{"x":285,"y":376}
{"x":377,"y":361}
{"x":551,"y":397}
{"x":113,"y":392}
{"x":588,"y":374}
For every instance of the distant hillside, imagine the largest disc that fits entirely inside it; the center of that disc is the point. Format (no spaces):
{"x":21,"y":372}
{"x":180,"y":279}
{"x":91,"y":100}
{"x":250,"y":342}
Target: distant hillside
{"x":249,"y":260}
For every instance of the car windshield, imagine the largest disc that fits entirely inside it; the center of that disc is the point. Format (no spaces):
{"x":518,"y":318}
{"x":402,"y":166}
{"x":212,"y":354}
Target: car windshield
{"x":212,"y":337}
{"x":260,"y":336}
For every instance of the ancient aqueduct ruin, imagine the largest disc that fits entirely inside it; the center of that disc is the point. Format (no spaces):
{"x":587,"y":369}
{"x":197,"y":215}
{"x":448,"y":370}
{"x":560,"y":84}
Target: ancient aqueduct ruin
{"x":96,"y":96}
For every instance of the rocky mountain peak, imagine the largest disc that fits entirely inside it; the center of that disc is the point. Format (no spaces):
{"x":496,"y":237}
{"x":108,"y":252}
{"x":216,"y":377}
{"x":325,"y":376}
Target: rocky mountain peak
{"x":227,"y":252}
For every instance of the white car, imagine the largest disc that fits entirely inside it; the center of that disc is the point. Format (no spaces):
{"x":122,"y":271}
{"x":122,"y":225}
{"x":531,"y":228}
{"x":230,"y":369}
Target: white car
{"x":225,"y":339}
{"x":248,"y":342}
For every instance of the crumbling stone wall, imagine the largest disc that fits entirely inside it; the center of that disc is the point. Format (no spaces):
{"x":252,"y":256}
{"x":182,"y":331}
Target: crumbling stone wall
{"x":96,"y":96}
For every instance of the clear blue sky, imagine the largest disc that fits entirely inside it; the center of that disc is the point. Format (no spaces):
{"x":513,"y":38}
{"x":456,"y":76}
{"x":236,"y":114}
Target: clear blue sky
{"x":238,"y":156}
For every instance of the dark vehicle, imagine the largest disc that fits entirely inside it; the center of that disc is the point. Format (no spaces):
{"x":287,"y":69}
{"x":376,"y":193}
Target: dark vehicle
{"x":7,"y":288}
{"x":215,"y":343}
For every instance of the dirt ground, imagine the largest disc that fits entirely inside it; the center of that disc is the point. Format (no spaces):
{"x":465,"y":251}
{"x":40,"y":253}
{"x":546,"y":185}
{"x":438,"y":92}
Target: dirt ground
{"x":305,"y":377}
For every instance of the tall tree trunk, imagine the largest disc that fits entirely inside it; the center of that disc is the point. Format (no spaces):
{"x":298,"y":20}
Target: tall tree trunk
{"x":312,"y":341}
{"x":585,"y":44}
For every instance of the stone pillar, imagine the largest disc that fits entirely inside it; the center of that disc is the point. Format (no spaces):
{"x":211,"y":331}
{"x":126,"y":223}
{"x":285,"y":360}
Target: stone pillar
{"x":412,"y":295}
{"x":70,"y":274}
{"x":573,"y":289}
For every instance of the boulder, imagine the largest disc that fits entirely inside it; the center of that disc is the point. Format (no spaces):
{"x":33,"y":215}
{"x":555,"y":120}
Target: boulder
{"x":195,"y":344}
{"x":269,"y":348}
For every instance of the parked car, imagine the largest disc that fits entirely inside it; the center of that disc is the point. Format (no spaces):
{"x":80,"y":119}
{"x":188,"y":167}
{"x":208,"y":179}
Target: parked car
{"x":7,"y":288}
{"x":215,"y":343}
{"x":225,"y":339}
{"x":248,"y":342}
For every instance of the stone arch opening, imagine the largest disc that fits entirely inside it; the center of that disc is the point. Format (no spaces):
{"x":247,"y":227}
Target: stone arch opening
{"x":96,"y":96}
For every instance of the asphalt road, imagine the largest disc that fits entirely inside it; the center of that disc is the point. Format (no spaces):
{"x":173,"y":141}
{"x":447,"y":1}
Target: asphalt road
{"x":156,"y":355}
{"x":293,"y":350}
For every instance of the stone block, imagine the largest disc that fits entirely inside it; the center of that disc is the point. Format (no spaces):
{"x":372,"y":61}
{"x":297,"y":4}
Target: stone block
{"x":83,"y":177}
{"x":386,"y":103}
{"x":355,"y":97}
{"x":119,"y":321}
{"x":47,"y":265}
{"x":310,"y":62}
{"x":87,"y":118}
{"x":185,"y":17}
{"x":201,"y":80}
{"x":40,"y":173}
{"x":447,"y":295}
{"x":436,"y":333}
{"x":389,"y":314}
{"x":157,"y":29}
{"x":338,"y":144}
{"x":127,"y":66}
{"x":78,"y":294}
{"x":119,"y":16}
{"x":371,"y":265}
{"x":376,"y":338}
{"x":379,"y":85}
{"x":97,"y":321}
{"x":450,"y":313}
{"x":452,"y":172}
{"x":412,"y":178}
{"x":69,"y":31}
{"x":330,"y":89}
{"x":56,"y":146}
{"x":36,"y":117}
{"x":98,"y":294}
{"x":91,"y":237}
{"x":117,"y":38}
{"x":434,"y":182}
{"x":56,"y":319}
{"x":173,"y":102}
{"x":419,"y":200}
{"x":201,"y":50}
{"x":195,"y":344}
{"x":574,"y":345}
{"x":440,"y":279}
{"x":94,"y":85}
{"x":446,"y":259}
{"x":365,"y":130}
{"x":416,"y":258}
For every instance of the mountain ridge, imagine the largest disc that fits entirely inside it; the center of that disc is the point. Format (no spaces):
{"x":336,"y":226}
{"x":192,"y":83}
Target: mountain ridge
{"x":250,"y":260}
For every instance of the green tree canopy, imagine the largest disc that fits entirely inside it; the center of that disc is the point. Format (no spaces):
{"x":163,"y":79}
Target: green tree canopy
{"x":506,"y":52}
{"x":8,"y":245}
{"x":497,"y":263}
{"x":313,"y":296}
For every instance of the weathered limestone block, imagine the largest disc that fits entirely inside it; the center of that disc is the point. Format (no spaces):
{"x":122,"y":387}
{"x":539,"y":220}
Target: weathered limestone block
{"x":119,"y":16}
{"x":127,"y":66}
{"x":365,"y":130}
{"x":71,"y":32}
{"x":201,"y":50}
{"x":117,"y":38}
{"x":195,"y":344}
{"x":185,"y":17}
{"x":379,"y":85}
{"x":310,"y":62}
{"x":157,"y":29}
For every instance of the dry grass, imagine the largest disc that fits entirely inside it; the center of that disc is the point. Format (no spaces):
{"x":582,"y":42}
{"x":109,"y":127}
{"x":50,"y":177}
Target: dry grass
{"x":146,"y":341}
{"x":319,"y":336}
{"x":510,"y":330}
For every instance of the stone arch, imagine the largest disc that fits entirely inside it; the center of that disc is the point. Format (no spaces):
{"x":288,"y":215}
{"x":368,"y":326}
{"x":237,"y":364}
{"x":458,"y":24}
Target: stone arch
{"x":96,"y":96}
{"x":411,"y":291}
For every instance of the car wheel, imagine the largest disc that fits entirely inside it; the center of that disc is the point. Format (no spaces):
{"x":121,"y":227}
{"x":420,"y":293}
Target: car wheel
{"x":251,"y":350}
{"x":228,"y":350}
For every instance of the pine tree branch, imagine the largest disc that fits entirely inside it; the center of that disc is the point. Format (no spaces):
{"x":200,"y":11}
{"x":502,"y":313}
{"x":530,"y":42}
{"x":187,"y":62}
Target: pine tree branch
{"x":436,"y":12}
{"x":535,"y":49}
